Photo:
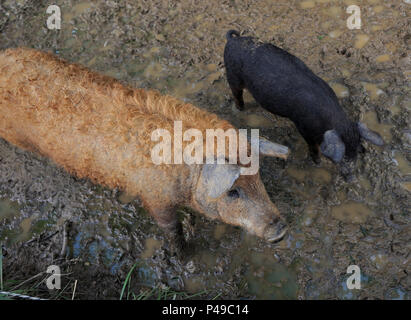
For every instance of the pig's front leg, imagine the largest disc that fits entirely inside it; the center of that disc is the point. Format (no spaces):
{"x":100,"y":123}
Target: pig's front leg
{"x":167,"y":220}
{"x":315,"y":153}
{"x":313,"y":146}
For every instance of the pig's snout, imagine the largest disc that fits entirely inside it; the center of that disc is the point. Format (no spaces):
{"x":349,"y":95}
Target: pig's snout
{"x":275,"y":231}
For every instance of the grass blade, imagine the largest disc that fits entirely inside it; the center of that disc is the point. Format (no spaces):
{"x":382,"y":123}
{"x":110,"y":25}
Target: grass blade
{"x":127,"y":280}
{"x":1,"y":267}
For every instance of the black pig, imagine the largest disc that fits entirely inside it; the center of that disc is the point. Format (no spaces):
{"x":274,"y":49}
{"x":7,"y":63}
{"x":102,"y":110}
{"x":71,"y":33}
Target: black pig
{"x":282,"y":84}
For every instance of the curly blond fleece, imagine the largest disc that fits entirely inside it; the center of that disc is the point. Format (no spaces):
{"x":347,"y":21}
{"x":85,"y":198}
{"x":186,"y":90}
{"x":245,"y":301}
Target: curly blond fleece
{"x":90,"y":124}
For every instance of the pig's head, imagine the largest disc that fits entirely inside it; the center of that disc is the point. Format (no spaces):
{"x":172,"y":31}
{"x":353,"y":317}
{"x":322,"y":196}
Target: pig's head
{"x":346,"y":143}
{"x":342,"y":148}
{"x":223,"y":193}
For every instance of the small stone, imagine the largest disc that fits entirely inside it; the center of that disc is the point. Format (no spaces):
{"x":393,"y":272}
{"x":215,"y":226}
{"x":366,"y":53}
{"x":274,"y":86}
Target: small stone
{"x":190,"y":266}
{"x":160,"y":37}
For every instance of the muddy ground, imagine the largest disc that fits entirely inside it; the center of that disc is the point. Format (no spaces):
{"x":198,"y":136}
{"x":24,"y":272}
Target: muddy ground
{"x":177,"y":47}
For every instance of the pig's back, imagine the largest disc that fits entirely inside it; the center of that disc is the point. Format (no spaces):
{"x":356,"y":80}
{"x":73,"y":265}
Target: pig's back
{"x":90,"y":124}
{"x":283,"y":84}
{"x":77,"y":118}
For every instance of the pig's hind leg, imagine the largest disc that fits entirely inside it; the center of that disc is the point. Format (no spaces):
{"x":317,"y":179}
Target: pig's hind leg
{"x":237,"y":87}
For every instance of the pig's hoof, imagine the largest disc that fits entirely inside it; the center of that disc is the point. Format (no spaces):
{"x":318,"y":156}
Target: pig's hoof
{"x":179,"y":248}
{"x":349,"y":178}
{"x":316,"y":159}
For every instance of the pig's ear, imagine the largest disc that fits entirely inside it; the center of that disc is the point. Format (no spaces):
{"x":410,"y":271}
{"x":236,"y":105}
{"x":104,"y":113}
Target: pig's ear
{"x":369,"y":135}
{"x":332,"y":146}
{"x":272,"y":149}
{"x":219,"y":178}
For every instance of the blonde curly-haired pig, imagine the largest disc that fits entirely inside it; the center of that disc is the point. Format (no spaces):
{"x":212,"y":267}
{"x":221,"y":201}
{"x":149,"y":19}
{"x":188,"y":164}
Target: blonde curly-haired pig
{"x":97,"y":128}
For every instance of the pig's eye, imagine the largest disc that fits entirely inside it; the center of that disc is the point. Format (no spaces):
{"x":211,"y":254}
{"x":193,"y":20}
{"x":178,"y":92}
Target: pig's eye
{"x":234,"y":194}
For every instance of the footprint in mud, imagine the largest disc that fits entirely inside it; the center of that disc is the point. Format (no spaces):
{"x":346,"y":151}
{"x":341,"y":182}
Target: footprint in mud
{"x":371,"y":120}
{"x":150,"y":247}
{"x":256,"y":121}
{"x":351,"y":212}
